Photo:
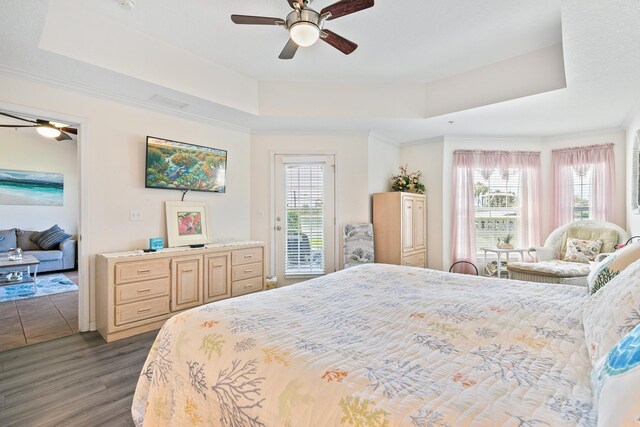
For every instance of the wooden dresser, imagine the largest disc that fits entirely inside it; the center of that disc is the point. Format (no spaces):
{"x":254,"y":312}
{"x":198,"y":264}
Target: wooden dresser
{"x":136,"y":292}
{"x":400,"y":228}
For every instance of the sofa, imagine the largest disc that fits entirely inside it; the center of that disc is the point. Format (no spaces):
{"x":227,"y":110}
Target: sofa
{"x":61,"y":258}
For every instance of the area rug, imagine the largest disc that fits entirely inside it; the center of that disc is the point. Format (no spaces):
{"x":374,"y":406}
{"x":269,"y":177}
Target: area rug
{"x":47,"y":285}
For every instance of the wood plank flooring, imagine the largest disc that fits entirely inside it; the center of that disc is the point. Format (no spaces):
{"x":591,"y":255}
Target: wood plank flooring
{"x":78,"y":380}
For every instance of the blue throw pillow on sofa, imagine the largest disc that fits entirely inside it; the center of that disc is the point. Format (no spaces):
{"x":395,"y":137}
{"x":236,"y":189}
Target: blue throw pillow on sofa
{"x":51,"y":238}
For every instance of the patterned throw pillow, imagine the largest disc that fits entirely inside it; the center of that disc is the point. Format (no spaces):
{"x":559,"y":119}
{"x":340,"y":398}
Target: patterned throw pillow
{"x":611,"y":266}
{"x":582,"y":250}
{"x":612,"y":312}
{"x":51,"y":238}
{"x":615,"y":380}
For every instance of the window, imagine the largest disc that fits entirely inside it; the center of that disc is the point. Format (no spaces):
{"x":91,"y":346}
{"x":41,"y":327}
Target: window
{"x":497,"y":206}
{"x":582,"y":179}
{"x":305,"y":241}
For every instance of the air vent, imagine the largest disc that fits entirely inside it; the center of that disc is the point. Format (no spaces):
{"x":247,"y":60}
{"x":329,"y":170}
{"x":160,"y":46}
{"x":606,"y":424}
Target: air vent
{"x":168,"y":102}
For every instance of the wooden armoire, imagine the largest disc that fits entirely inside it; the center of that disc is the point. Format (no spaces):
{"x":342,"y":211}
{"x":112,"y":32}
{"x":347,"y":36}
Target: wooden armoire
{"x":400,"y":228}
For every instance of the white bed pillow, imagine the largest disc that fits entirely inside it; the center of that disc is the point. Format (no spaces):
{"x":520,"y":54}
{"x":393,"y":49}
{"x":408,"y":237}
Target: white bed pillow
{"x":615,"y":382}
{"x":612,"y":312}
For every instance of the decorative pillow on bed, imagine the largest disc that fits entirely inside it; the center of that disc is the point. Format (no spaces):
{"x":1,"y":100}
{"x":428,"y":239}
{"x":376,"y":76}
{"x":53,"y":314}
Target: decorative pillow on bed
{"x":615,"y":380}
{"x":582,"y":250}
{"x":51,"y":238}
{"x":611,"y":313}
{"x":611,"y":266}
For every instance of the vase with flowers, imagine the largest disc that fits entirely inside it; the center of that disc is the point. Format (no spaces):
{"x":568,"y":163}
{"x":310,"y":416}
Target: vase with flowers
{"x":409,"y":182}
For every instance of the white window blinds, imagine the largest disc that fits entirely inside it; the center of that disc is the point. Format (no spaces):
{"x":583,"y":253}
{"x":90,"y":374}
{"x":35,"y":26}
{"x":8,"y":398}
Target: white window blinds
{"x":305,"y":244}
{"x":497,"y":206}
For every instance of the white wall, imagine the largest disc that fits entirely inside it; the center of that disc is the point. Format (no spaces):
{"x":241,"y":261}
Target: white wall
{"x":114,"y":136}
{"x":426,"y":156}
{"x":383,"y":161}
{"x":25,"y":149}
{"x":352,"y":189}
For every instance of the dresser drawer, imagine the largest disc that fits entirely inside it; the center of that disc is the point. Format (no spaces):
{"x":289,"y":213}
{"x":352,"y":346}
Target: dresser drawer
{"x":142,"y":310}
{"x":246,"y":256}
{"x":246,"y":286}
{"x":415,"y":260}
{"x":246,"y":271}
{"x":127,"y":272}
{"x":142,"y":290}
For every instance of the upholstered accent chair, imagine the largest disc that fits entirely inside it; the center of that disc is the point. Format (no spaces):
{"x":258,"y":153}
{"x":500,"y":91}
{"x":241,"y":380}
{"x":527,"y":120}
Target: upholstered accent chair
{"x":549,"y":265}
{"x":358,"y":244}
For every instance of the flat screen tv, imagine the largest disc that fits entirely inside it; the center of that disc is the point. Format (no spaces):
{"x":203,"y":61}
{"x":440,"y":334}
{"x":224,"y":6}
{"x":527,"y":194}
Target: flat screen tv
{"x":181,"y":166}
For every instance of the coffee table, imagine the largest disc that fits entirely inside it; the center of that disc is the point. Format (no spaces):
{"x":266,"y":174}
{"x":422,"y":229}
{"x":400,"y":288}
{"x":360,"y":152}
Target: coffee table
{"x":23,"y":265}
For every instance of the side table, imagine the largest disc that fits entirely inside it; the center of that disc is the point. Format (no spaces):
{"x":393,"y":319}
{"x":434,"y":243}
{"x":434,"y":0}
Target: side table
{"x":499,"y":271}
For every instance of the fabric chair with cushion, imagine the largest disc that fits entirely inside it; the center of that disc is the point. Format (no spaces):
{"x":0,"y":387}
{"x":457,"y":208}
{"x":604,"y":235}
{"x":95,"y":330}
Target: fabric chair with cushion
{"x":358,"y":244}
{"x":551,"y":262}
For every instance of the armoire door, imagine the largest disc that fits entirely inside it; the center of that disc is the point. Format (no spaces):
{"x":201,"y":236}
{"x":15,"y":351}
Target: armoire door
{"x":419,"y":221}
{"x":407,"y":224}
{"x":217,"y":280}
{"x":187,"y":283}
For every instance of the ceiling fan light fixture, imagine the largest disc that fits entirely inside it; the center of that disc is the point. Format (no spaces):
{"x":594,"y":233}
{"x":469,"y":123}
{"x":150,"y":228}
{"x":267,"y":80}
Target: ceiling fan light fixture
{"x":304,"y":33}
{"x":48,"y":131}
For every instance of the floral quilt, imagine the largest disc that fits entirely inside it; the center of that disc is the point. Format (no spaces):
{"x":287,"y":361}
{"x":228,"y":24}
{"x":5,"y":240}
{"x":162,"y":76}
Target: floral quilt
{"x":375,"y":345}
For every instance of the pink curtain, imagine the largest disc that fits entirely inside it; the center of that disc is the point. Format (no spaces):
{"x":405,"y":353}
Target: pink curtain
{"x":463,"y":246}
{"x":463,"y":242}
{"x":598,"y":160}
{"x":530,"y":194}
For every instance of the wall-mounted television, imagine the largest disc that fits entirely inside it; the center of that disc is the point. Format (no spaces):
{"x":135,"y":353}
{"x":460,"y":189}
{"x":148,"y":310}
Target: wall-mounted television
{"x":180,"y":166}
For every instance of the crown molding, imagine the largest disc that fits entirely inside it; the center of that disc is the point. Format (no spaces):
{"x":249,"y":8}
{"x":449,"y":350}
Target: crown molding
{"x":596,"y":132}
{"x":384,"y":139}
{"x":59,"y":83}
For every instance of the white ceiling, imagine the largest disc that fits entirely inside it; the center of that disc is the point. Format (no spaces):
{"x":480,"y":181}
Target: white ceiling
{"x":422,"y":41}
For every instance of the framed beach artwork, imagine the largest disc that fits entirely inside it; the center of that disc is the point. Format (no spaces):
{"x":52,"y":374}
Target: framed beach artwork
{"x":19,"y":187}
{"x":187,"y":223}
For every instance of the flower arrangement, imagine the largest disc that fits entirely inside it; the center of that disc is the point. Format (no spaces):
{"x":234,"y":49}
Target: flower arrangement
{"x":409,"y":182}
{"x":506,"y":242}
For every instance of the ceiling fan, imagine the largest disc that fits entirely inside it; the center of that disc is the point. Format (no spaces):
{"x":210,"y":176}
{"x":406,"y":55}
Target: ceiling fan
{"x":306,"y":26}
{"x":46,"y":128}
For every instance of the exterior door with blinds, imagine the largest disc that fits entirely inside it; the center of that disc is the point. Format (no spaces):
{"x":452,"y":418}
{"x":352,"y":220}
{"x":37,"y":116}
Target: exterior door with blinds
{"x":304,"y":216}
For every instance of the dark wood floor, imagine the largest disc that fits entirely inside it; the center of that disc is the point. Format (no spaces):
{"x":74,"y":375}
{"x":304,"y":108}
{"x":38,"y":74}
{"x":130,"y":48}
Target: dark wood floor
{"x":78,"y":380}
{"x":35,"y":320}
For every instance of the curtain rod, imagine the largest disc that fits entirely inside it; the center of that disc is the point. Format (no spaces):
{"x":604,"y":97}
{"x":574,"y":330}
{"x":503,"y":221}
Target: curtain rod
{"x":585,"y":147}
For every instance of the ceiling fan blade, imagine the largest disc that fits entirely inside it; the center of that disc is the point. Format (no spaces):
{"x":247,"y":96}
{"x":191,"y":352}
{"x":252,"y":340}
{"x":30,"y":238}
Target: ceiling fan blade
{"x":256,"y":20}
{"x":17,"y":126}
{"x":17,"y":118}
{"x":72,"y":131}
{"x":343,"y":45}
{"x":289,"y":50}
{"x":63,"y":137}
{"x":346,"y":7}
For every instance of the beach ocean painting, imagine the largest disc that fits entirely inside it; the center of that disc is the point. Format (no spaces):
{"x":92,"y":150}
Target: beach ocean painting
{"x":31,"y":188}
{"x":182,"y":166}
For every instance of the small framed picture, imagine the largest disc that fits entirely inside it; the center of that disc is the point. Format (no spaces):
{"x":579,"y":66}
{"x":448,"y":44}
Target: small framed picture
{"x":187,"y":223}
{"x":156,"y":243}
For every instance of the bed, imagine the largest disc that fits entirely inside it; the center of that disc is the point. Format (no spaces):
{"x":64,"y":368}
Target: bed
{"x":375,"y":345}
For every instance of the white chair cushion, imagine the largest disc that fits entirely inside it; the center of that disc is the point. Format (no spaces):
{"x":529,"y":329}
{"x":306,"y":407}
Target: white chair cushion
{"x":555,"y":268}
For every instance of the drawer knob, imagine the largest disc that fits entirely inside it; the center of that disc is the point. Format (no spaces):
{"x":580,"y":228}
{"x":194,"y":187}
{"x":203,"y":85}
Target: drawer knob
{"x":140,"y":291}
{"x":146,"y":270}
{"x":248,"y":256}
{"x":248,"y":271}
{"x":187,"y":270}
{"x":143,"y":310}
{"x":248,"y":286}
{"x":217,"y":266}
